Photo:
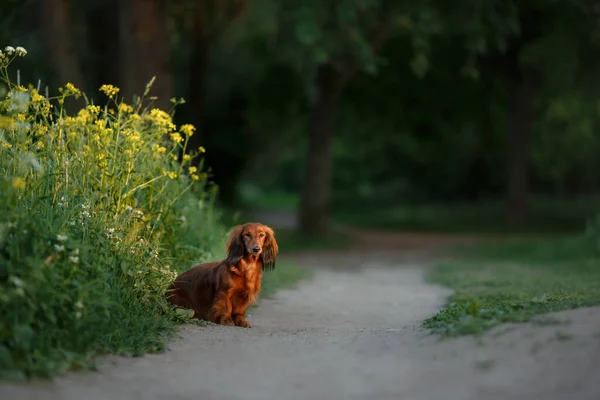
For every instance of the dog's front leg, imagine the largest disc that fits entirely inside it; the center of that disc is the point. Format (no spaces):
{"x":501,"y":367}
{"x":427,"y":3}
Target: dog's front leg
{"x":220,"y":312}
{"x":238,"y":314}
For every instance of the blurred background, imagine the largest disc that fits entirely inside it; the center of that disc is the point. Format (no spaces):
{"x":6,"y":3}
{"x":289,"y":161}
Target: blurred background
{"x":481,"y":115}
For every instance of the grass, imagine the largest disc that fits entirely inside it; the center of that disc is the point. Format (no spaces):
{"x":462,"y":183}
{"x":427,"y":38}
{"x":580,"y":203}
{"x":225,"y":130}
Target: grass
{"x":285,"y":276}
{"x":513,"y":281}
{"x":547,"y":215}
{"x":99,"y":211}
{"x":291,"y":241}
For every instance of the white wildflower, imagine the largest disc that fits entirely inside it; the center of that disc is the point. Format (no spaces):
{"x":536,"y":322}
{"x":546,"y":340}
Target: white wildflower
{"x":76,"y":252}
{"x":9,"y":50}
{"x":128,"y":208}
{"x":59,"y":247}
{"x":74,"y":259}
{"x":61,"y":238}
{"x":79,"y":304}
{"x":21,"y":51}
{"x":139,"y":213}
{"x":18,"y":282}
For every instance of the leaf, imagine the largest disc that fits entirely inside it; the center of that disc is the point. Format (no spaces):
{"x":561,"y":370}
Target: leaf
{"x":419,"y":64}
{"x":307,"y":32}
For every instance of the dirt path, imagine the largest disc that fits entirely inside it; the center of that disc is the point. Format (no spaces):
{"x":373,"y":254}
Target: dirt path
{"x":353,"y":332}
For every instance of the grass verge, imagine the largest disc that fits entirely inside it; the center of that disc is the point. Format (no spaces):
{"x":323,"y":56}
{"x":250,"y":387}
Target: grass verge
{"x":547,"y":215}
{"x":285,"y":276}
{"x":514,"y":281}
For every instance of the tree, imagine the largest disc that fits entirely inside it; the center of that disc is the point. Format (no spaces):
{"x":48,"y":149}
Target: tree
{"x":56,"y":17}
{"x":329,"y":42}
{"x":209,"y":22}
{"x":145,"y":50}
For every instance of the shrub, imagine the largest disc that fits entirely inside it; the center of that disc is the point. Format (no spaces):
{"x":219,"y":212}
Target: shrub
{"x":98,"y":210}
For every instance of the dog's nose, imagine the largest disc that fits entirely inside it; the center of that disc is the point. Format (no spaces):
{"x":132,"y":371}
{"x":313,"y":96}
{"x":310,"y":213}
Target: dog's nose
{"x":256,"y":249}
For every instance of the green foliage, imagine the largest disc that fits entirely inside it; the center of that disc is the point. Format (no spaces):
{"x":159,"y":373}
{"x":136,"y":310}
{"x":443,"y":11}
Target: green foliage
{"x":99,"y":212}
{"x":513,"y":282}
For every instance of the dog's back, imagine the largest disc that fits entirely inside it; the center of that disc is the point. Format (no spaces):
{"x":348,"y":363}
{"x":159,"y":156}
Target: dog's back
{"x":195,"y":288}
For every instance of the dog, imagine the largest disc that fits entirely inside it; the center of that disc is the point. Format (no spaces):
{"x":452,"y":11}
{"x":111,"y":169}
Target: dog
{"x":221,"y":291}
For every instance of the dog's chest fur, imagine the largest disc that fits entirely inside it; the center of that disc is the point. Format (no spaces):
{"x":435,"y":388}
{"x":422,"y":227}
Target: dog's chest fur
{"x":246,"y":279}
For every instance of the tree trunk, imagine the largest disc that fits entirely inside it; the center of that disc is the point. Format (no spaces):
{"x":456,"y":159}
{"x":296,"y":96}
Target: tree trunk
{"x":145,"y":51}
{"x":519,"y":141}
{"x":314,"y":202}
{"x":102,"y":32}
{"x":62,"y":52}
{"x":197,"y":75}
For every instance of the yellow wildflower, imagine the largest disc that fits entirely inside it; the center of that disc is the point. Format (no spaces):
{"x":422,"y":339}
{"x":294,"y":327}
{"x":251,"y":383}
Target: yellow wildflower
{"x":201,"y":149}
{"x":93,"y":109}
{"x":187,"y":129}
{"x":109,"y":90}
{"x":36,"y":97}
{"x":176,"y":137}
{"x":192,"y":170}
{"x":162,"y":119}
{"x":125,"y":108}
{"x":6,"y":145}
{"x":186,"y":157}
{"x":158,"y":149}
{"x":172,"y":175}
{"x":70,"y":89}
{"x":83,"y":116}
{"x":195,"y":177}
{"x":18,"y":183}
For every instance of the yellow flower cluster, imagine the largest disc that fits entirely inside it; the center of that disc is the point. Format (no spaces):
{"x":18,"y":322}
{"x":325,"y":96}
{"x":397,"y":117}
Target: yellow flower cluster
{"x":109,"y":90}
{"x":187,"y":129}
{"x":162,"y":119}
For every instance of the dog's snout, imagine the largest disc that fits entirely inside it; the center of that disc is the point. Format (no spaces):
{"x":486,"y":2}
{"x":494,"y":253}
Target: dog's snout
{"x":255,"y":249}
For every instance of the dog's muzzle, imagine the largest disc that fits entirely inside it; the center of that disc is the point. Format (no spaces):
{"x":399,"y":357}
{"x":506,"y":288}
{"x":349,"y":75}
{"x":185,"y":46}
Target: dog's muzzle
{"x":256,"y":249}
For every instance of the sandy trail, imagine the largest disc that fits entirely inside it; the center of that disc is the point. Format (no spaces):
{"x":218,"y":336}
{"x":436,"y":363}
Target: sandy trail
{"x":353,"y":332}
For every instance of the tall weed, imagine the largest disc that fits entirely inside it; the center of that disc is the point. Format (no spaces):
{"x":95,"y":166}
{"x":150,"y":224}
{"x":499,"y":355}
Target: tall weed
{"x":98,"y":211}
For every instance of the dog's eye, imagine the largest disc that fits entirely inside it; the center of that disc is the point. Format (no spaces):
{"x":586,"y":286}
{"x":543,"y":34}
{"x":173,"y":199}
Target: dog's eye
{"x":262,"y":235}
{"x":247,"y":234}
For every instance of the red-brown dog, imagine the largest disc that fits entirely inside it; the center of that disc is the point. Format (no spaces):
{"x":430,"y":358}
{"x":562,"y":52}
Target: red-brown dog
{"x":221,"y":291}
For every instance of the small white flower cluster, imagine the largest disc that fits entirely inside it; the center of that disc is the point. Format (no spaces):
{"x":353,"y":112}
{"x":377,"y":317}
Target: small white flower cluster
{"x":139,"y":245}
{"x":19,"y":51}
{"x":63,"y":202}
{"x":112,"y":235}
{"x":84,"y":214}
{"x":78,"y":308}
{"x":74,"y":257}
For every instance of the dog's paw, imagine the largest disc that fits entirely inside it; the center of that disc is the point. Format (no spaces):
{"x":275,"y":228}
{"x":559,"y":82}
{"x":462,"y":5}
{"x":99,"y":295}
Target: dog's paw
{"x":243,"y":324}
{"x":226,"y":321}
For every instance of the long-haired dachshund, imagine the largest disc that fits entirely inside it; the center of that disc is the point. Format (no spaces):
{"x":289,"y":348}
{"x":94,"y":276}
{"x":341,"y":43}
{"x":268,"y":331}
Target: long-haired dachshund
{"x":221,"y":291}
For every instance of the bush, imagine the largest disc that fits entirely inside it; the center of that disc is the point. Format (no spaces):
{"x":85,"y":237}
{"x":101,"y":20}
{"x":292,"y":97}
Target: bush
{"x":98,"y":210}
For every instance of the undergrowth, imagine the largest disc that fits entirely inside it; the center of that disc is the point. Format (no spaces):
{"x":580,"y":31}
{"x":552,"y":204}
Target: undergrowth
{"x":99,"y":209}
{"x":514,"y":281}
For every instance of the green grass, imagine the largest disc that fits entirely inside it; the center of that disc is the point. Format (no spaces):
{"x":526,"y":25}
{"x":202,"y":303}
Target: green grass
{"x":97,"y":215}
{"x":291,"y":241}
{"x":513,"y":281}
{"x":286,"y":275}
{"x":547,"y":215}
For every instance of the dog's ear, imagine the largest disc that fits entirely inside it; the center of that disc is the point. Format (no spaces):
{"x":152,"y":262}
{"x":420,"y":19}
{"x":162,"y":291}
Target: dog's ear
{"x":235,"y":246}
{"x":270,"y":250}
